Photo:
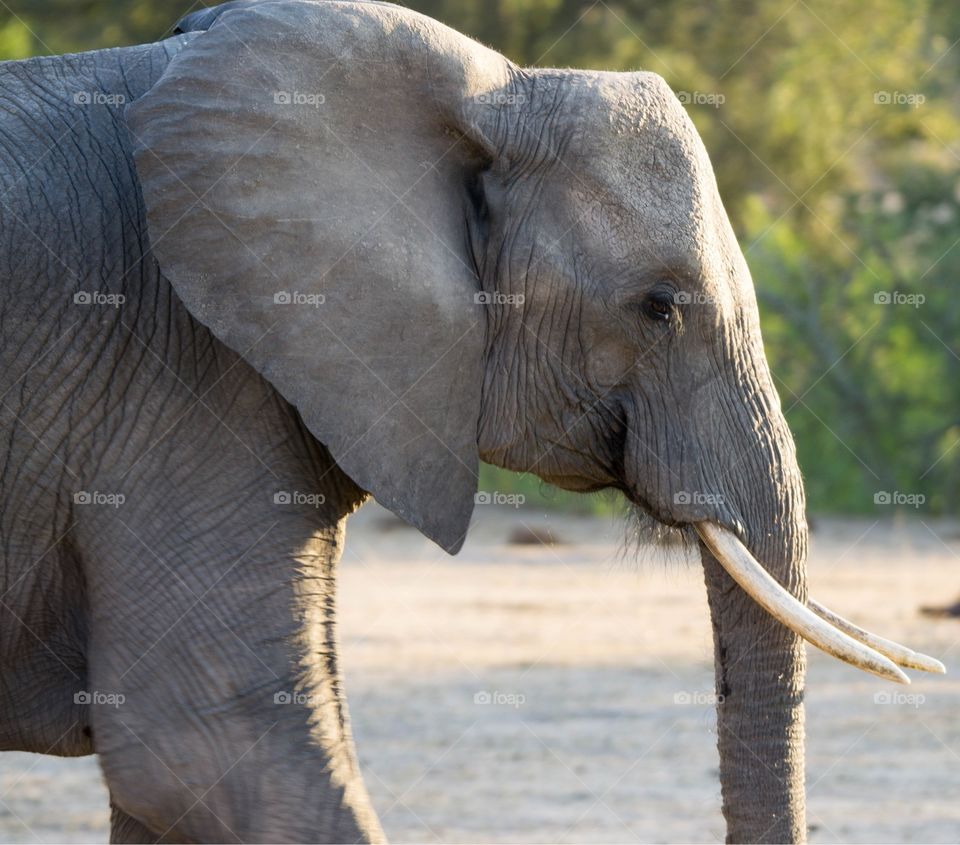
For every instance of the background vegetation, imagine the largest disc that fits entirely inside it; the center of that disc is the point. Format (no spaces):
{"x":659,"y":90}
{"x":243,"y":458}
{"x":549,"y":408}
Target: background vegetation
{"x":833,"y":126}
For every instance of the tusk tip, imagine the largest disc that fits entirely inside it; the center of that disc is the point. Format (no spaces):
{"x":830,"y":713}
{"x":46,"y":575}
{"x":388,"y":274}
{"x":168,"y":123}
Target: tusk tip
{"x":899,"y":654}
{"x":929,"y":664}
{"x":895,"y":674}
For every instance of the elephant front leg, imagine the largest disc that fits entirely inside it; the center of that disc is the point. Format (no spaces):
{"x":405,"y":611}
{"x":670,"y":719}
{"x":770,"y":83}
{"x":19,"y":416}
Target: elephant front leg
{"x":217,"y":706}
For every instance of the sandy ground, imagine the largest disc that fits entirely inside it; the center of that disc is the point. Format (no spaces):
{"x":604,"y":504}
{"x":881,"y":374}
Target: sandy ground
{"x":563,"y":694}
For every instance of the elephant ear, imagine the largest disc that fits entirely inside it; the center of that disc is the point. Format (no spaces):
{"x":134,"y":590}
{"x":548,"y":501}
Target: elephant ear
{"x":310,"y":176}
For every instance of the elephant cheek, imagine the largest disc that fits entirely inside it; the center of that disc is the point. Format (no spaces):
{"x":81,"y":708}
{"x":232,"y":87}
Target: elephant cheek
{"x":608,"y":363}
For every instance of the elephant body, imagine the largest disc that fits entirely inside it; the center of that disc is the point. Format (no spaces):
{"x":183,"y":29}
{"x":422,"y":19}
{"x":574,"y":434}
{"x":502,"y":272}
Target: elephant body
{"x":304,"y":252}
{"x":170,"y":609}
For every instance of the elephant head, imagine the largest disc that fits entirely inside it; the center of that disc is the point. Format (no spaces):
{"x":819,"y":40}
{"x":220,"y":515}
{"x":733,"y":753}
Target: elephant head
{"x":438,"y":257}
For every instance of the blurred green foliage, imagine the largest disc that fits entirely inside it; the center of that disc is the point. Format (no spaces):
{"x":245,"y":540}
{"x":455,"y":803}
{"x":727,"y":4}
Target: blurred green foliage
{"x":833,"y":127}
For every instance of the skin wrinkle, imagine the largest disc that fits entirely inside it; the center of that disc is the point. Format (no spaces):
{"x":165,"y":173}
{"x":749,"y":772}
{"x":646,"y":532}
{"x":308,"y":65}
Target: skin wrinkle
{"x":27,"y":431}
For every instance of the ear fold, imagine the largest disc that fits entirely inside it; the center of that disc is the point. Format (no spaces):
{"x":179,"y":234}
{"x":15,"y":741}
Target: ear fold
{"x":307,"y":171}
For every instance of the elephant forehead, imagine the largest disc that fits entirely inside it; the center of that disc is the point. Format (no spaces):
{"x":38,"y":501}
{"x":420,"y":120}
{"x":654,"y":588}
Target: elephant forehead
{"x":646,"y":123}
{"x":653,"y":178}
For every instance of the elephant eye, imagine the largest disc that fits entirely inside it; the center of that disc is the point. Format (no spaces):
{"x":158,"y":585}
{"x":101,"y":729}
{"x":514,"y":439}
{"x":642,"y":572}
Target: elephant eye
{"x":659,"y":306}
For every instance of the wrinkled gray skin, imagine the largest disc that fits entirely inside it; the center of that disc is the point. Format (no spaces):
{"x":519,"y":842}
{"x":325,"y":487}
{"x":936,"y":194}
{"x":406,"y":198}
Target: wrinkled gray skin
{"x":430,"y":169}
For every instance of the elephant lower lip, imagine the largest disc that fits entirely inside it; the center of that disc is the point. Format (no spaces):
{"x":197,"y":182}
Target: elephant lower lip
{"x":575,"y":484}
{"x":661,"y":517}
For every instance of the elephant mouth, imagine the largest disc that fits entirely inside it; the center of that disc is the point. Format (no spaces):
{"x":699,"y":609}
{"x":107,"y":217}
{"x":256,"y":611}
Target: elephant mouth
{"x":574,"y":483}
{"x":652,"y":510}
{"x":815,"y":623}
{"x":577,"y":484}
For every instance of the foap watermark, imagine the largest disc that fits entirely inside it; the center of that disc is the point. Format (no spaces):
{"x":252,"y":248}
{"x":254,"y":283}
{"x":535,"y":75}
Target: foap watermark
{"x":98,"y":497}
{"x":295,"y":297}
{"x":496,"y":698}
{"x":686,"y":297}
{"x":482,"y":497}
{"x":696,"y":497}
{"x":108,"y":699}
{"x":911,"y":699}
{"x":899,"y":98}
{"x":99,"y":98}
{"x":297,"y":497}
{"x":497,"y":298}
{"x":314,"y":99}
{"x":697,"y":697}
{"x":898,"y":498}
{"x":701,"y":98}
{"x":96,"y":297}
{"x":293,"y":697}
{"x":500,"y":98}
{"x":895,"y":297}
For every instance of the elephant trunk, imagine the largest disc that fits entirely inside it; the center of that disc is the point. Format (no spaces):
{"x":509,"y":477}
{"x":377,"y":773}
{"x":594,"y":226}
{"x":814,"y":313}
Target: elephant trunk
{"x":753,"y":547}
{"x":760,"y":662}
{"x":760,"y":668}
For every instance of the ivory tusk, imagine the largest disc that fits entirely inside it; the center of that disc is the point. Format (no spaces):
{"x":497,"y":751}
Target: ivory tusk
{"x":765,"y":591}
{"x":899,"y":654}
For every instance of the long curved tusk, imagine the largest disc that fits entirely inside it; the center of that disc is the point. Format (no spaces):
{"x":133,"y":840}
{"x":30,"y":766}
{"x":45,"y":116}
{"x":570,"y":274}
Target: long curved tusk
{"x":782,"y":606}
{"x":899,"y":654}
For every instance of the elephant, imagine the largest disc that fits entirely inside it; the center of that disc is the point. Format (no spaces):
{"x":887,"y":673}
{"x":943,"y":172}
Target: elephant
{"x":303,"y":253}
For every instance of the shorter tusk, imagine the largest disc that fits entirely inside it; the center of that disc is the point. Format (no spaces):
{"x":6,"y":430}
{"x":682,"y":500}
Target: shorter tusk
{"x":779,"y":603}
{"x":899,"y":654}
